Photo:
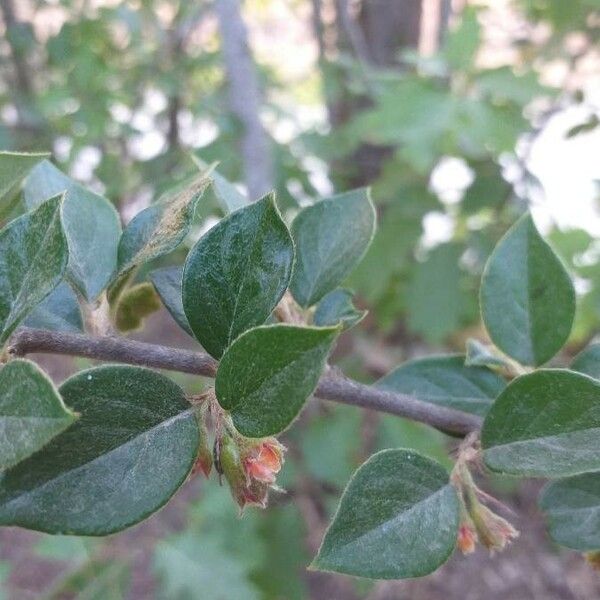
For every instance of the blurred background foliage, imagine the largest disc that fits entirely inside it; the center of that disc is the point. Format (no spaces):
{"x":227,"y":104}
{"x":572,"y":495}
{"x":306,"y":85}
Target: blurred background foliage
{"x":446,"y":108}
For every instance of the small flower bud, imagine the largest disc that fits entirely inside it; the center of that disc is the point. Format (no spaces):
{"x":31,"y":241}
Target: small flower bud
{"x":204,"y":460}
{"x":467,"y":538}
{"x":493,"y":531}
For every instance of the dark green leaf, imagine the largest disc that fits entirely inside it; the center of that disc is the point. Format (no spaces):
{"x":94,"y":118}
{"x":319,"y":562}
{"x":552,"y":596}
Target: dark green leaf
{"x":132,"y":448}
{"x":33,"y":259}
{"x":90,"y":222}
{"x":160,"y":228}
{"x":588,"y":361}
{"x":544,"y":424}
{"x":267,"y":374}
{"x":527,"y":297}
{"x":398,"y":518}
{"x":446,"y":381}
{"x":58,"y":312}
{"x":14,"y":166}
{"x":331,"y":238}
{"x":336,"y":307}
{"x":167,"y":282}
{"x":31,"y":411}
{"x":134,"y":305}
{"x":572,"y":508}
{"x":236,"y":274}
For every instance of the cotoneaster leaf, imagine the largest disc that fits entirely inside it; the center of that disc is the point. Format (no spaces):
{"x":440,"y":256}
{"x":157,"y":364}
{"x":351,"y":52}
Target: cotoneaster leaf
{"x":267,"y":374}
{"x":527,"y":297}
{"x":14,"y":166}
{"x":60,"y":311}
{"x":331,"y":238}
{"x":236,"y":274}
{"x":398,"y":518}
{"x":446,"y":381}
{"x":33,"y":260}
{"x":337,"y":307}
{"x":91,"y":224}
{"x":167,"y":282}
{"x":544,"y":424}
{"x":128,"y":453}
{"x":31,"y":411}
{"x":572,"y":509}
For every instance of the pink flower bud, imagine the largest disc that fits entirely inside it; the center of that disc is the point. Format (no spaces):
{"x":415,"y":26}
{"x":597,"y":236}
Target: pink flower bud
{"x":467,"y":538}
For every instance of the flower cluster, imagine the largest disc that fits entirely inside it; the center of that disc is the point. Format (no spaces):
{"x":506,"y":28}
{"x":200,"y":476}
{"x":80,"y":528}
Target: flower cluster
{"x":250,"y":466}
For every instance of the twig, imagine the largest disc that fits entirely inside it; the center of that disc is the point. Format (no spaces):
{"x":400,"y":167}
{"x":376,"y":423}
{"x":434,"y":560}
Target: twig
{"x":332,"y":386}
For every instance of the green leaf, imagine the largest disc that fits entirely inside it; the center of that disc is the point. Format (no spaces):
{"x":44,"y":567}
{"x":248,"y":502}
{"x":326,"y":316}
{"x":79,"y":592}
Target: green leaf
{"x":31,"y":411}
{"x":446,"y":381}
{"x":58,"y":312}
{"x":337,"y":307}
{"x":167,"y":282}
{"x":572,"y":509}
{"x":331,"y":238}
{"x":267,"y":374}
{"x":134,"y":305}
{"x":527,"y":298}
{"x":90,"y":222}
{"x":588,"y":361}
{"x":544,"y":424}
{"x":160,"y":228}
{"x":132,"y":448}
{"x":14,"y":166}
{"x":33,"y":259}
{"x":480,"y":355}
{"x":236,"y":274}
{"x":227,"y":194}
{"x":398,"y":518}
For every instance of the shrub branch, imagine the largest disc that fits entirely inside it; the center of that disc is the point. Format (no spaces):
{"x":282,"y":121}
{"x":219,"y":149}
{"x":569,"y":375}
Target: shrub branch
{"x":332,"y":385}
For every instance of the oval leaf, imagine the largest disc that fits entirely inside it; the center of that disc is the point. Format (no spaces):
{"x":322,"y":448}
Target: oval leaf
{"x":588,"y":361}
{"x":236,"y":274}
{"x":337,"y":307}
{"x":132,"y":448}
{"x":446,"y":381}
{"x":31,"y":411}
{"x":572,"y":508}
{"x":527,"y":297}
{"x":160,"y":228}
{"x":331,"y":237}
{"x":167,"y":282}
{"x":90,"y":222}
{"x":33,"y":260}
{"x":398,"y":518}
{"x":545,"y":424}
{"x":267,"y":374}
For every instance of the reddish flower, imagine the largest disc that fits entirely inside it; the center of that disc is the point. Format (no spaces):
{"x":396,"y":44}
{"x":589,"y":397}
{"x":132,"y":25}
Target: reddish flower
{"x":263,"y":461}
{"x":250,"y":468}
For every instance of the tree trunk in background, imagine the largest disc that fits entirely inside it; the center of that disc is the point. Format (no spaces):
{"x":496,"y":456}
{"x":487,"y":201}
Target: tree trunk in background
{"x":375,"y":37}
{"x":245,"y":98}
